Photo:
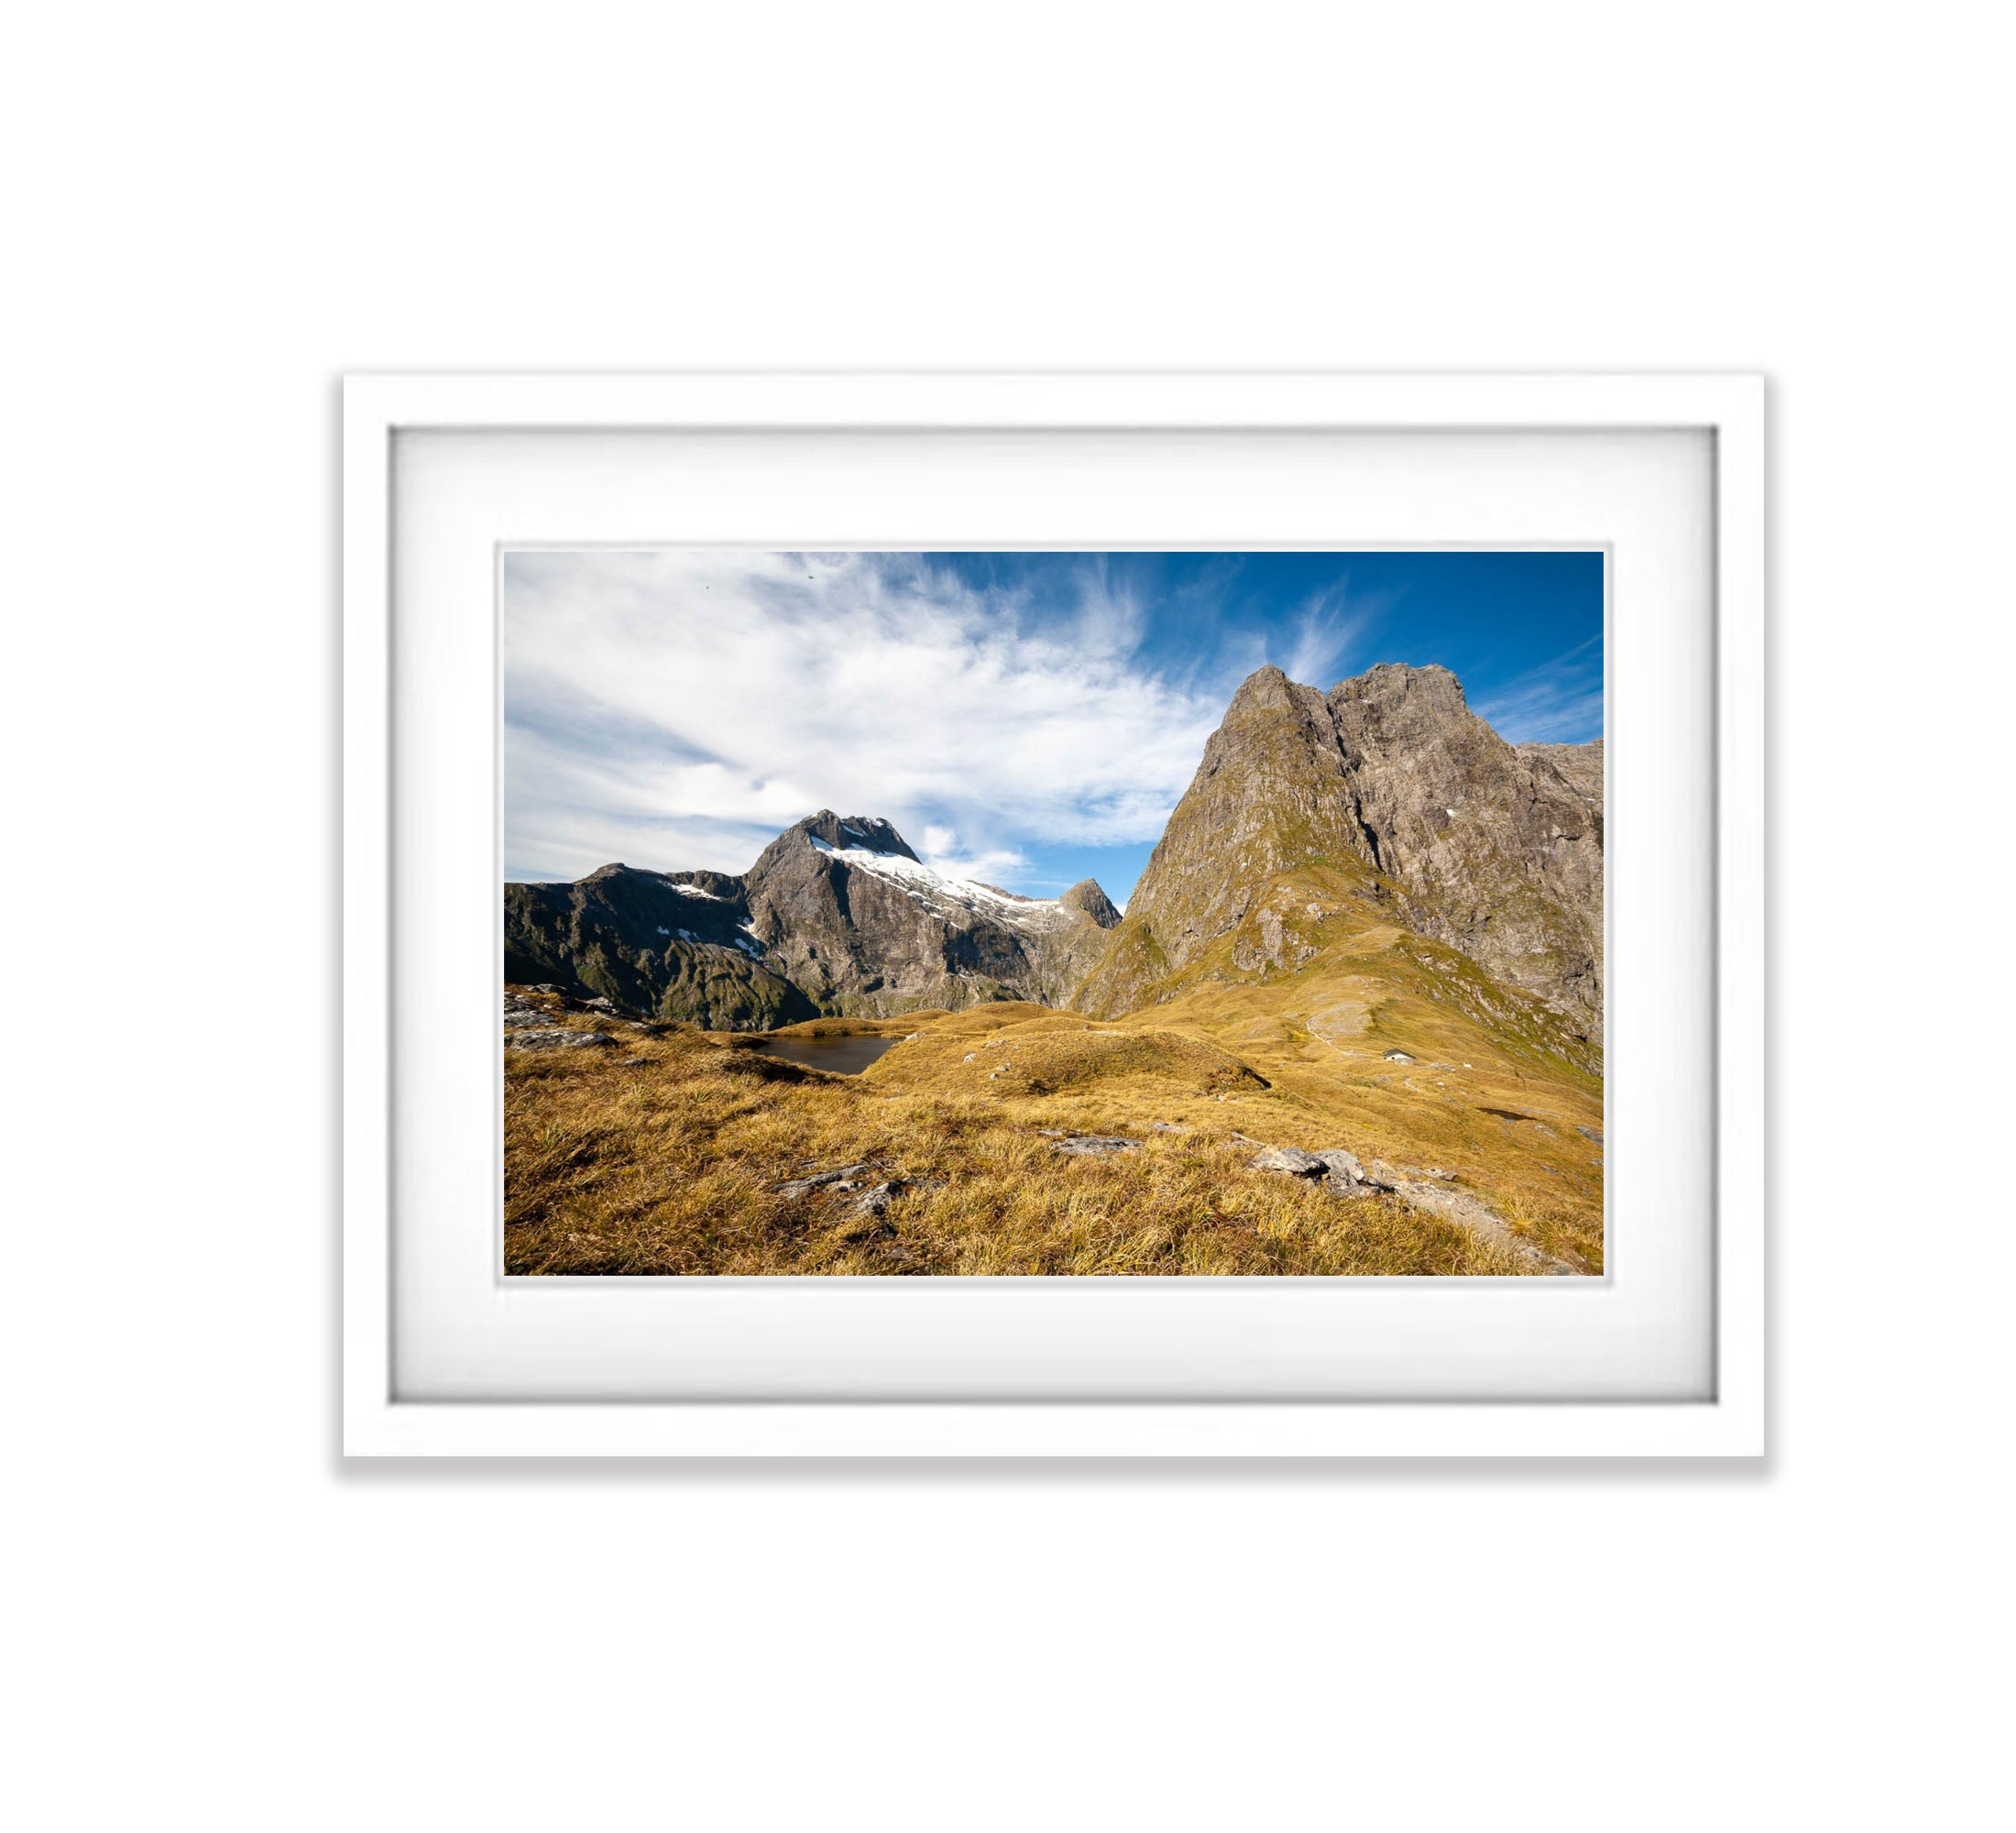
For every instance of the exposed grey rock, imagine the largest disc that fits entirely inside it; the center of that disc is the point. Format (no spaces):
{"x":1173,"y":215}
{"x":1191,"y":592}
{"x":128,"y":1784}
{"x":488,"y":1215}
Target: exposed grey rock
{"x":1471,"y":1212}
{"x":1086,"y":895}
{"x":556,"y":1039}
{"x":1513,"y":878}
{"x":1291,"y":1162}
{"x":658,"y":944}
{"x":1398,"y":1057}
{"x":1493,"y":850}
{"x":1094,"y":1145}
{"x":1578,"y":766}
{"x":1338,"y":1169}
{"x":520,"y":1019}
{"x":1341,"y":1184}
{"x":1353,"y":1186}
{"x":837,"y":917}
{"x":839,"y":1174}
{"x":860,"y":924}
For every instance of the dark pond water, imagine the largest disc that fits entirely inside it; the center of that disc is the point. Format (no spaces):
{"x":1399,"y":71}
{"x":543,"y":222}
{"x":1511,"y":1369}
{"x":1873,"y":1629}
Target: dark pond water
{"x":837,"y":1056}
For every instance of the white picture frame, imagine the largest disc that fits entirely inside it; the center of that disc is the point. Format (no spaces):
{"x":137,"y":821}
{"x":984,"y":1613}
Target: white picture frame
{"x":1723,"y":1415}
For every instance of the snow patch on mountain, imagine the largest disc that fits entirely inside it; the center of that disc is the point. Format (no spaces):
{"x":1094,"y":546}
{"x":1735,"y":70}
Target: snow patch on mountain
{"x":934,"y":889}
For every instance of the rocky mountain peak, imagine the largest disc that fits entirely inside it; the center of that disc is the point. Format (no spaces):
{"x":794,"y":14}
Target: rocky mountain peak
{"x":1086,"y":895}
{"x":836,"y":916}
{"x":1393,"y":711}
{"x":1265,"y":688}
{"x":1390,"y":777}
{"x":871,"y":834}
{"x":1387,"y":683}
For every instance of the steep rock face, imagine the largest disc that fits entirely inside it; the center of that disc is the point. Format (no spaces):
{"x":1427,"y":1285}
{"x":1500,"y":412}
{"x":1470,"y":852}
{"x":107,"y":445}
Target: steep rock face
{"x":675,"y":946}
{"x":1086,"y":895}
{"x":836,"y":916}
{"x":847,"y":911}
{"x":1403,"y":797}
{"x":1504,"y":849}
{"x":1271,"y":788}
{"x":1578,"y":766}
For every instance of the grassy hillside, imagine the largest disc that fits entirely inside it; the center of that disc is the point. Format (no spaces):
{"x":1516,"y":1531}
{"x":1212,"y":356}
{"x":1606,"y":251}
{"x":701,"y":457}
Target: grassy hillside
{"x":664,"y":1153}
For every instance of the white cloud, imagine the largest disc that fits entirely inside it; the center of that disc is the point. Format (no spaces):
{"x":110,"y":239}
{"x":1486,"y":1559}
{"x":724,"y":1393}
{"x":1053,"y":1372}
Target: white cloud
{"x":1324,"y":632}
{"x":996,"y":865}
{"x":676,"y":709}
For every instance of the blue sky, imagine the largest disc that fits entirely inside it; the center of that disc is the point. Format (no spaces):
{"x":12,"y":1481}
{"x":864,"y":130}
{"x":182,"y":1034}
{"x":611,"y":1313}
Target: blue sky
{"x":1026,"y":718}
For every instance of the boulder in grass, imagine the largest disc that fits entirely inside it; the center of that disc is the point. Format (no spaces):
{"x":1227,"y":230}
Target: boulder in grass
{"x":1348,"y":1178}
{"x":1339,"y":1170}
{"x":556,"y":1039}
{"x":842,"y":1176}
{"x":1289,"y":1161}
{"x":875,"y":1202}
{"x":1094,"y":1145}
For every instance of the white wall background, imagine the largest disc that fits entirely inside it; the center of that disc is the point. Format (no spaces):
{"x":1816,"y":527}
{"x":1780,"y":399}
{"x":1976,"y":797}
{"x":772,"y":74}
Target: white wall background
{"x":215,"y":209}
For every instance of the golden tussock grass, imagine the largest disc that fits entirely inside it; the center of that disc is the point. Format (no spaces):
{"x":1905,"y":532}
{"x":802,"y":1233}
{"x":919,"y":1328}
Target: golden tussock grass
{"x":664,"y":1154}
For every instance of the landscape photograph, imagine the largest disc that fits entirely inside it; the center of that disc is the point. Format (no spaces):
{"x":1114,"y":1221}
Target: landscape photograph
{"x":1047,"y":914}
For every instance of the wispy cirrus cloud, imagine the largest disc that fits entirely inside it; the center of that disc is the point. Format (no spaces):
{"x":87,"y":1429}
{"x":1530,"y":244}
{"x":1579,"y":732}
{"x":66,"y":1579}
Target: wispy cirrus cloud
{"x":1324,"y":636}
{"x":1557,"y":701}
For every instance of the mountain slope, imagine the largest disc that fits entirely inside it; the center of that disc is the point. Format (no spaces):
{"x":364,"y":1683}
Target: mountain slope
{"x":837,"y":917}
{"x":658,"y":944}
{"x":1387,"y":798}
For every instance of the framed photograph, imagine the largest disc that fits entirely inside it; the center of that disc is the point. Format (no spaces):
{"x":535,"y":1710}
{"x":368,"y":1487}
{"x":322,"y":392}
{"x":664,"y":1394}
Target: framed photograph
{"x":1054,"y":916}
